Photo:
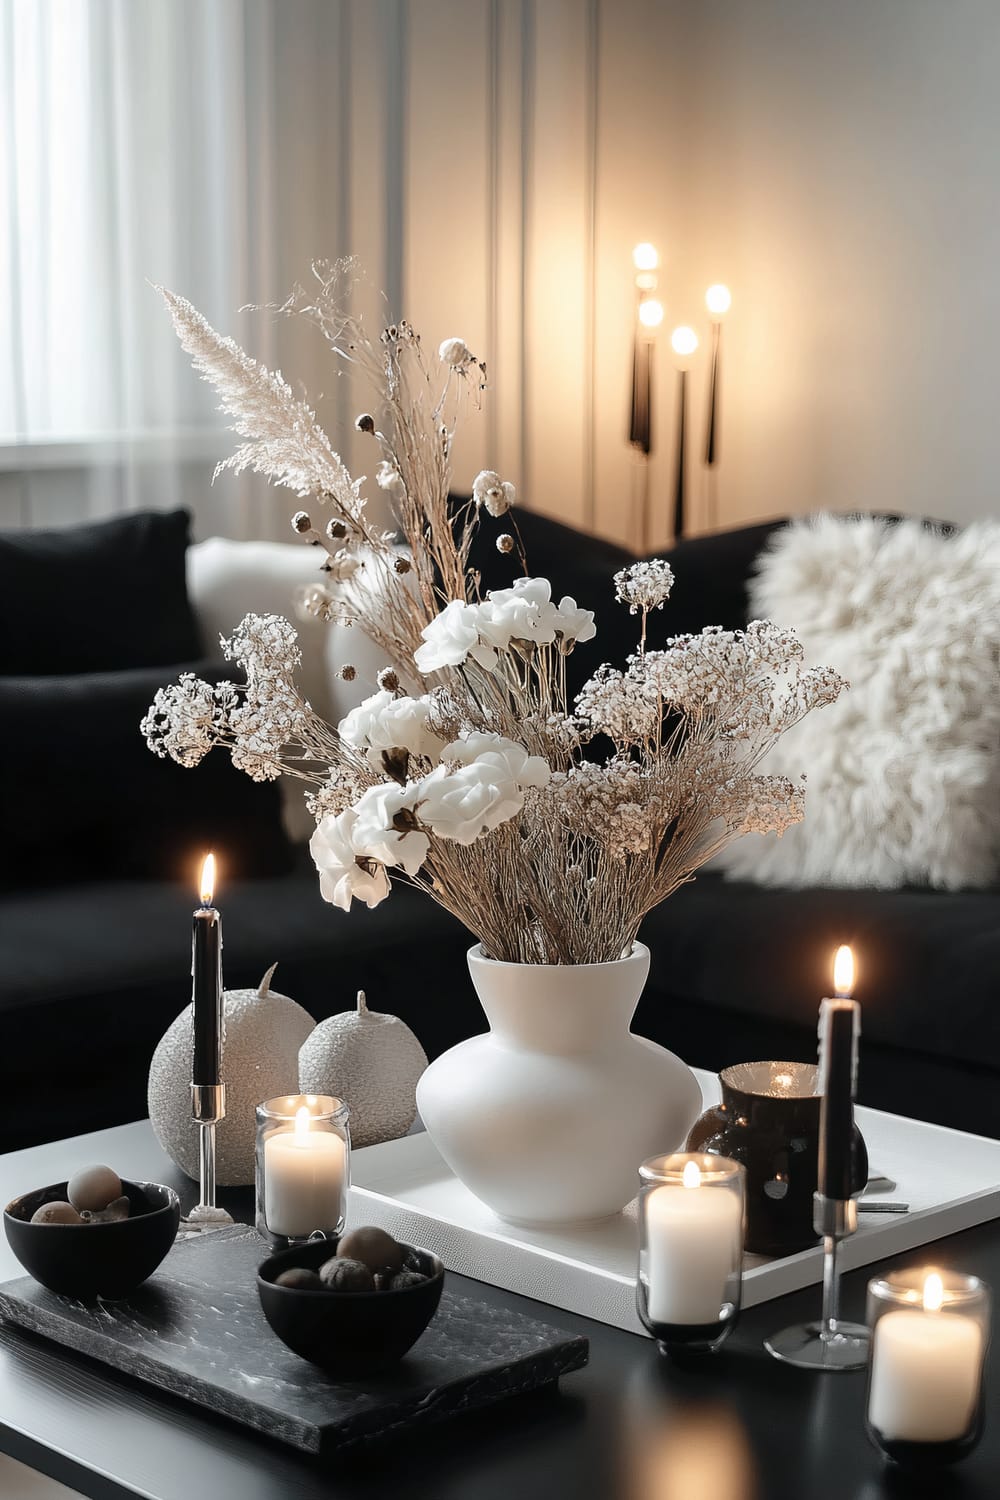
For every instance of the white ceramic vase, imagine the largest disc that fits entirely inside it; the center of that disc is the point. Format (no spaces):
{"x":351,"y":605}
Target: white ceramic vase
{"x":548,"y":1115}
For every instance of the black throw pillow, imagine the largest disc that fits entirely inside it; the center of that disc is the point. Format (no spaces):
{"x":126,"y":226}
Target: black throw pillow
{"x":96,"y":598}
{"x":84,"y":798}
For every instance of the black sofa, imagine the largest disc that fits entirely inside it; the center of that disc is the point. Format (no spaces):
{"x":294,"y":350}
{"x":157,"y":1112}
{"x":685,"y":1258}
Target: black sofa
{"x":92,"y":969}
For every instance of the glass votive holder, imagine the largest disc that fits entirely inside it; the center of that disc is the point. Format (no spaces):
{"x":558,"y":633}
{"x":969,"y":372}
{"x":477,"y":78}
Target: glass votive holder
{"x":930,"y":1331}
{"x":692,"y":1213}
{"x":303,"y":1167}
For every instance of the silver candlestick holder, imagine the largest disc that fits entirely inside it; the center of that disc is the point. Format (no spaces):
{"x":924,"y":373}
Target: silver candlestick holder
{"x":208,"y":1106}
{"x":830,"y":1343}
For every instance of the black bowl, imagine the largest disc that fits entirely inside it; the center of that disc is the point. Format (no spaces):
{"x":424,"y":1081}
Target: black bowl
{"x":348,"y":1333}
{"x":94,"y":1260}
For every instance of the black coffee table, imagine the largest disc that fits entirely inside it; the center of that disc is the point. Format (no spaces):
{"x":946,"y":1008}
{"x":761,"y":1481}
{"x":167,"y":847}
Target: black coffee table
{"x":740,"y":1427}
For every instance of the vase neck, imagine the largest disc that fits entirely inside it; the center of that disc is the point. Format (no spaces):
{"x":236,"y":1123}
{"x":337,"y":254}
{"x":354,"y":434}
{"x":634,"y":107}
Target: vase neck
{"x":562,"y":1008}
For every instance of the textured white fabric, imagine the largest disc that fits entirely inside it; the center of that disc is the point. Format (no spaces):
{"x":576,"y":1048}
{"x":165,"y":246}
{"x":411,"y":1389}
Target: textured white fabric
{"x":904,"y":772}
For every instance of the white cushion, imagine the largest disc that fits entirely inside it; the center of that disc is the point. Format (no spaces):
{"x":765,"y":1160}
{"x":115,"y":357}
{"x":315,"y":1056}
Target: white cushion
{"x":904,"y":771}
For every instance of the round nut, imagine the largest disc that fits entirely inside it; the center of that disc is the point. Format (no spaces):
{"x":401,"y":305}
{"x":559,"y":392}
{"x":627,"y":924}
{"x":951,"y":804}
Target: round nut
{"x":342,"y":1275}
{"x":94,"y":1188}
{"x":301,"y":1278}
{"x":374,"y":1247}
{"x":56,"y":1213}
{"x":404,"y":1279}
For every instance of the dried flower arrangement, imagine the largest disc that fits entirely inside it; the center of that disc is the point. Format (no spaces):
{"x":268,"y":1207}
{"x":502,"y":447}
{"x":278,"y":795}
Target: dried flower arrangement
{"x":466,"y":772}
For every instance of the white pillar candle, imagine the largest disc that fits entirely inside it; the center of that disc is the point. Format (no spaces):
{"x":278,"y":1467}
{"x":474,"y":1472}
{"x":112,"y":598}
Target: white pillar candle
{"x":303,"y":1178}
{"x":926,"y":1368}
{"x":693,"y":1244}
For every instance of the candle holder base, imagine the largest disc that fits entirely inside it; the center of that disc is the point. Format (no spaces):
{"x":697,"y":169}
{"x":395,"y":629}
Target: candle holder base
{"x":296,"y":1241}
{"x":909,"y":1455}
{"x":682,"y":1339}
{"x":815,"y":1346}
{"x":205,"y":1217}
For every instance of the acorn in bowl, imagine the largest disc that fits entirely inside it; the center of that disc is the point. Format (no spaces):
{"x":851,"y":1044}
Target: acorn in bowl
{"x":96,"y":1235}
{"x":353,"y":1306}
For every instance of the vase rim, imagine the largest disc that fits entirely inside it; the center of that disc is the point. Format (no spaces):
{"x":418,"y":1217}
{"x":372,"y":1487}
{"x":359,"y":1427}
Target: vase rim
{"x":639,"y":952}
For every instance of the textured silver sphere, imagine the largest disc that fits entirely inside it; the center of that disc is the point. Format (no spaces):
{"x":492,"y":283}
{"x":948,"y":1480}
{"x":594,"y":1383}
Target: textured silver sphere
{"x":260,"y":1060}
{"x":372,"y":1062}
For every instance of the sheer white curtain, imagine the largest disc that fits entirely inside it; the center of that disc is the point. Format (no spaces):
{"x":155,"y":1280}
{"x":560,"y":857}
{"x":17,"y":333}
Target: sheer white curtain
{"x":138,"y":144}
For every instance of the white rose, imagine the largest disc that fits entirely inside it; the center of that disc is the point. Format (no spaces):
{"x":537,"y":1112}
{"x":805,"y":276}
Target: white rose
{"x":454,"y":352}
{"x":575,"y":624}
{"x":342,"y":874}
{"x":377,"y":831}
{"x":452,"y":637}
{"x":496,"y":494}
{"x":505,"y":757}
{"x":384,"y":722}
{"x":522,"y":613}
{"x":462,"y":804}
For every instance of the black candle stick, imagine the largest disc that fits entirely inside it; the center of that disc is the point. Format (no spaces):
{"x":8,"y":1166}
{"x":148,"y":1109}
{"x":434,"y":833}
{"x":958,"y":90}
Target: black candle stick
{"x":640,"y":432}
{"x":718,"y":301}
{"x":679,"y":476}
{"x":839,"y":1030}
{"x":711,"y":441}
{"x":206,"y":976}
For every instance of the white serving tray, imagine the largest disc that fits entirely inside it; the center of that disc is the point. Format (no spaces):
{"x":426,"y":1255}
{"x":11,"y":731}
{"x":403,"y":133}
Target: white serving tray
{"x":950,"y":1180}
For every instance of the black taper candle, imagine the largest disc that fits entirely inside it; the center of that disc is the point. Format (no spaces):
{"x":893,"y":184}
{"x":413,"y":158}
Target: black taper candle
{"x":679,"y":486}
{"x":839,"y":1030}
{"x":711,"y":441}
{"x":640,"y":429}
{"x":206,"y":995}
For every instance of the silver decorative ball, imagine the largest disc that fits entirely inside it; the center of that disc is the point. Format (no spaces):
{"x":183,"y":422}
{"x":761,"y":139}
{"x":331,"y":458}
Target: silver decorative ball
{"x":263,"y":1032}
{"x":371,"y":1061}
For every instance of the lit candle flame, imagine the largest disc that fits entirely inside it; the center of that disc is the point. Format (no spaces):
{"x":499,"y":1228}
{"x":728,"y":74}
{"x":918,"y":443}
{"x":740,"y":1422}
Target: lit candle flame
{"x":650,"y":312}
{"x":933,"y":1292}
{"x":691,"y":1176}
{"x":303,"y":1122}
{"x":684,"y":341}
{"x":843,"y":973}
{"x":207,"y":882}
{"x":783,"y":1080}
{"x":718,"y":300}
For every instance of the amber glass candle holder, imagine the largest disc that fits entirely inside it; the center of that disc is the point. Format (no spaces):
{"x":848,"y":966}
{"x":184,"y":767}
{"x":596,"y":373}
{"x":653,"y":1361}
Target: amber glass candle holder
{"x":930,"y":1332}
{"x":691,"y":1220}
{"x":303,"y":1162}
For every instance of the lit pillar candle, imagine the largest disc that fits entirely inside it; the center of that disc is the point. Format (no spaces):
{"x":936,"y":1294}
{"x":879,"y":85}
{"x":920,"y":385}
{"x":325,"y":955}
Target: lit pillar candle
{"x":926,"y":1370}
{"x":206,"y":982}
{"x":693,"y":1242}
{"x":303,"y":1178}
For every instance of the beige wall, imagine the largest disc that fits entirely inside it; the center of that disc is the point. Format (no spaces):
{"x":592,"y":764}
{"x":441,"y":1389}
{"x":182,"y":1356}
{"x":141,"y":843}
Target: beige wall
{"x":494,"y":161}
{"x":835,"y":163}
{"x":842,"y":174}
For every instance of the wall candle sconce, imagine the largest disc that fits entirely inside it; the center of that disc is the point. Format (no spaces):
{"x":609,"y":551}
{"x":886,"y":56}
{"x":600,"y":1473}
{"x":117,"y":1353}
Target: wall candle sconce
{"x":718,"y":300}
{"x":684,"y":342}
{"x":649,"y":316}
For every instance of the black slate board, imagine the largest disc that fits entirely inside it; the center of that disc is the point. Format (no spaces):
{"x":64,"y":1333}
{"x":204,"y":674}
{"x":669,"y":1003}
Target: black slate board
{"x":196,"y":1329}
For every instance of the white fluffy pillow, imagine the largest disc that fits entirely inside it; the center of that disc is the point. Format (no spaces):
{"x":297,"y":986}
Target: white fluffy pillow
{"x":904,"y":771}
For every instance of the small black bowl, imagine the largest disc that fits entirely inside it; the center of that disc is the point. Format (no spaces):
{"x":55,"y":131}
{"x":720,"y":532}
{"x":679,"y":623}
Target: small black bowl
{"x":348,"y":1333}
{"x":94,"y":1260}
